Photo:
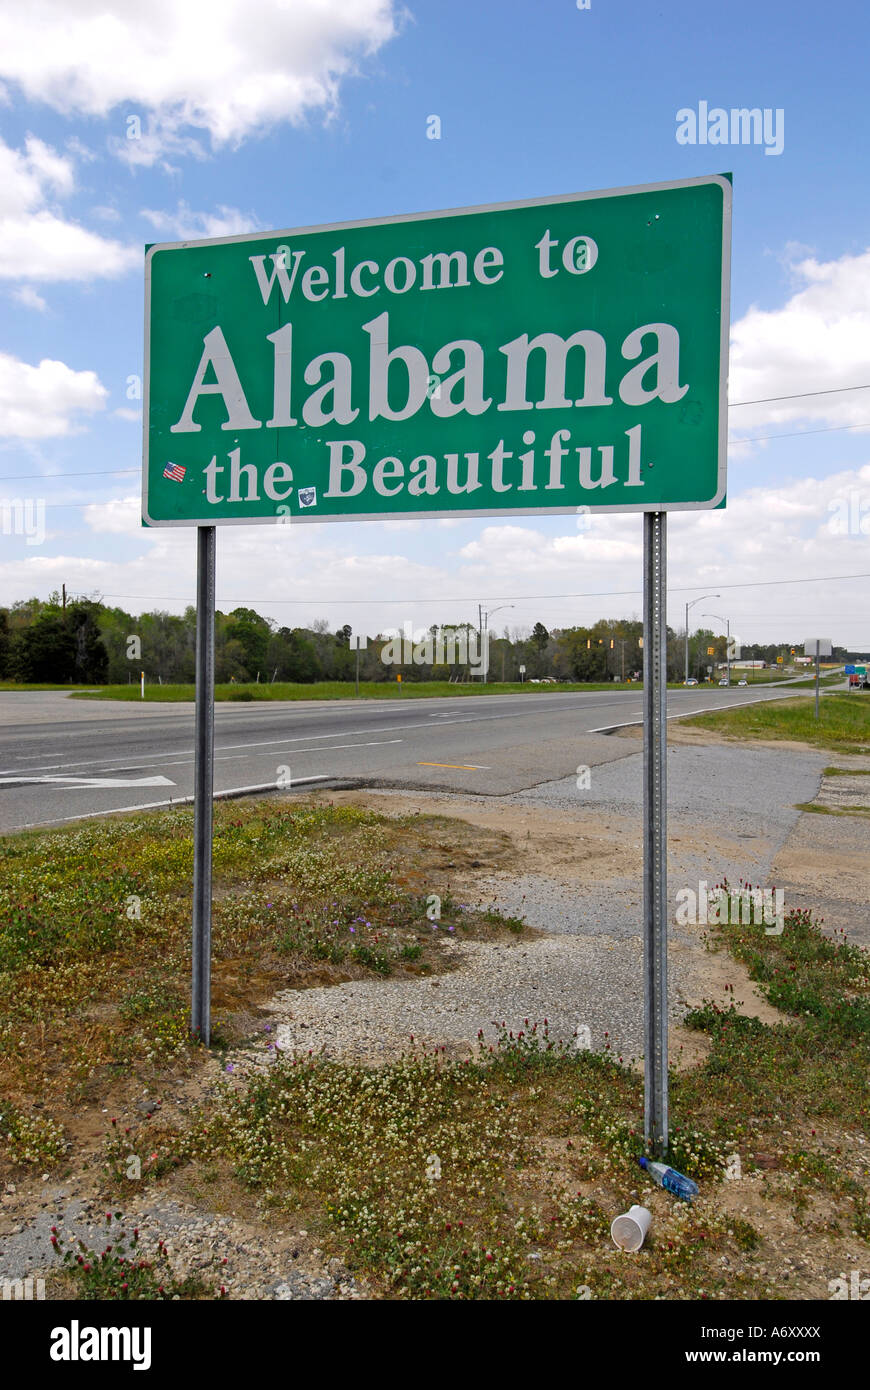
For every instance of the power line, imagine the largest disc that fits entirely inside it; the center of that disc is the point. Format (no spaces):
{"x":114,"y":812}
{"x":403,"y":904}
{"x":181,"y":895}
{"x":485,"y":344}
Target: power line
{"x":55,"y":477}
{"x":799,"y":396}
{"x":520,"y":598}
{"x":762,"y":400}
{"x":115,"y":472}
{"x":798,"y":434}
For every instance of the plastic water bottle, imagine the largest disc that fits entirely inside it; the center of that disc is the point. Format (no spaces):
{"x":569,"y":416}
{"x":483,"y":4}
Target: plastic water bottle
{"x":670,"y":1179}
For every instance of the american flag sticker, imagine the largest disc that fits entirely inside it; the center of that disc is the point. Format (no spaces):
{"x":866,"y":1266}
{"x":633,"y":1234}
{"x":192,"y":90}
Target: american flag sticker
{"x":175,"y":472}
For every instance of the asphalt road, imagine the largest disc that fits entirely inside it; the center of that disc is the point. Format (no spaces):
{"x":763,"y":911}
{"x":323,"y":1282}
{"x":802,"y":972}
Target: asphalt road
{"x":64,"y":759}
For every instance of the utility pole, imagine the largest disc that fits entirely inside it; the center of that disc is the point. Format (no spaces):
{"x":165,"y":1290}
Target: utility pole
{"x":63,"y":587}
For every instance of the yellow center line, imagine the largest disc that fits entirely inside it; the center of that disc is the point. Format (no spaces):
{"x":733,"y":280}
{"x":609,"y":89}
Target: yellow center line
{"x":463,"y":767}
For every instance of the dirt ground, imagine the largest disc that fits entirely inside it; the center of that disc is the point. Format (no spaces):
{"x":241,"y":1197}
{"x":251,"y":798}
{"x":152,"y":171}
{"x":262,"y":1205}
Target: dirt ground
{"x":823,"y":860}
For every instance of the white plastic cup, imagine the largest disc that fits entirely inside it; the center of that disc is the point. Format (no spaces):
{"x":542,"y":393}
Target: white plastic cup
{"x":629,"y":1230}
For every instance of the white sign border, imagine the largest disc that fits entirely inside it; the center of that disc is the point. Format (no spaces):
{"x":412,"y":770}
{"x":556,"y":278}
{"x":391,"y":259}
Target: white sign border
{"x":296,"y":519}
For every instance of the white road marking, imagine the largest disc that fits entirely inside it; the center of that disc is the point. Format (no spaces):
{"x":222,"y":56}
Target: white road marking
{"x":167,"y":759}
{"x":344,"y":733}
{"x":685,"y":713}
{"x":100,"y":783}
{"x":177,"y":801}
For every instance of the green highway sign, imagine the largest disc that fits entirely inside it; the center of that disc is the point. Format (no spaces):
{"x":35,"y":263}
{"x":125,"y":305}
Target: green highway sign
{"x":536,"y":357}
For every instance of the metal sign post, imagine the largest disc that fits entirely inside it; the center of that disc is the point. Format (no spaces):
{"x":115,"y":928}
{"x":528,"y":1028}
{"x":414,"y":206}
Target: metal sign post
{"x":357,"y":642}
{"x":818,"y":647}
{"x":655,"y":867}
{"x":203,"y":782}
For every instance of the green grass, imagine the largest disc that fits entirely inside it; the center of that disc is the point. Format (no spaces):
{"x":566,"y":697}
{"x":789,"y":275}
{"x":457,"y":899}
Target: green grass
{"x":843,"y":723}
{"x":833,"y":678}
{"x":428,"y":1175}
{"x":536,"y":1142}
{"x":340,"y":690}
{"x":95,"y":939}
{"x":369,"y":690}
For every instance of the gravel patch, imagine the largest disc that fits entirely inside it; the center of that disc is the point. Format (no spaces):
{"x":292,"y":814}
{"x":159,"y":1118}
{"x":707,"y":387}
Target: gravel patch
{"x":571,"y":981}
{"x":219,"y":1249}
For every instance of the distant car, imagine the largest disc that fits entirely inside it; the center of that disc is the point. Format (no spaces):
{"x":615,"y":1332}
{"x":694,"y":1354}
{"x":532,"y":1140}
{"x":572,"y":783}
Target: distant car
{"x":742,"y":682}
{"x":724,"y":682}
{"x":690,"y":682}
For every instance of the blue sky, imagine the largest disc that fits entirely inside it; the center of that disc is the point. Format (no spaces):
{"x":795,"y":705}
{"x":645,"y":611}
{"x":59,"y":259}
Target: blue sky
{"x":535,"y":99}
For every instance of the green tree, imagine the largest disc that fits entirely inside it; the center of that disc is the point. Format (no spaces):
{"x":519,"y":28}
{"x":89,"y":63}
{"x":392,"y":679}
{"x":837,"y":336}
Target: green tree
{"x":43,"y":652}
{"x":90,"y":658}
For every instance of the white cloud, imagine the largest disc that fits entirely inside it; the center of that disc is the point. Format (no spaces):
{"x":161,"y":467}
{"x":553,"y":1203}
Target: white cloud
{"x":41,"y":402}
{"x":220,"y":66}
{"x":186,"y":225}
{"x":122,"y":516}
{"x":81,"y":151}
{"x":30,"y":298}
{"x":29,"y":176}
{"x":124,"y":412}
{"x":819,"y":340}
{"x":36,"y":243}
{"x":805,"y":528}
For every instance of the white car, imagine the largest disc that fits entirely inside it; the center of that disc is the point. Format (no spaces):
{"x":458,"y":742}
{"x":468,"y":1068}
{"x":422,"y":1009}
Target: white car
{"x":743,"y":682}
{"x":690,"y":682}
{"x":724,"y":682}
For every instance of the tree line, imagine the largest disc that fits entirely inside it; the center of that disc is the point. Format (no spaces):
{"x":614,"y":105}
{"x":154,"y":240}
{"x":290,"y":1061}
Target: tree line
{"x":84,"y":641}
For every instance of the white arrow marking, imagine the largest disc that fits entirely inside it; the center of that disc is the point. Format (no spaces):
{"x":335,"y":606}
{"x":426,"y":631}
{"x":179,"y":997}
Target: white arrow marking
{"x":100,"y":782}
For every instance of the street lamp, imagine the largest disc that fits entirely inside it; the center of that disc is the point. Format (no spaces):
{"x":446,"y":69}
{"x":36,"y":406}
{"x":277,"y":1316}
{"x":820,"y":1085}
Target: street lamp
{"x":483,"y":616}
{"x":727,"y":623}
{"x":689,"y":605}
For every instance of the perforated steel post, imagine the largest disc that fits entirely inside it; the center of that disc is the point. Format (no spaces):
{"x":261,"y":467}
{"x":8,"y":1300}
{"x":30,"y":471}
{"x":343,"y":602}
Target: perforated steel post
{"x":655,"y":868}
{"x":203,"y":784}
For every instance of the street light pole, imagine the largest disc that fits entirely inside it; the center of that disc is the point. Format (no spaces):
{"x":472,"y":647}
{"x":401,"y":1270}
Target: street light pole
{"x":484,"y":616}
{"x":689,"y":605}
